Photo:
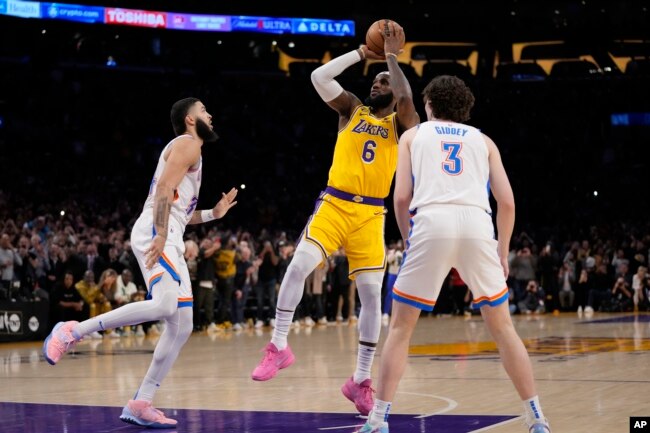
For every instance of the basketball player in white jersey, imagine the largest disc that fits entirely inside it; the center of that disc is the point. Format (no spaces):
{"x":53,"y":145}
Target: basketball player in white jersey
{"x":443,"y":213}
{"x":157,"y":241}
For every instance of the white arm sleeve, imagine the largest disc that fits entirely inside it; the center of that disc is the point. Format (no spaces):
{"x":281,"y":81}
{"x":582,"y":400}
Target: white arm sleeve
{"x":323,"y":77}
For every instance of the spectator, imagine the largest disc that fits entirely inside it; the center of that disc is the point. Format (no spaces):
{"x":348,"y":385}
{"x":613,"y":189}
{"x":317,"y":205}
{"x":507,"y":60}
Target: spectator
{"x":548,"y":265}
{"x":205,"y":275}
{"x":619,"y":259}
{"x":245,"y":279}
{"x":600,"y":292}
{"x":39,"y":261}
{"x":523,"y":268}
{"x":224,"y":259}
{"x":92,"y":296}
{"x":566,"y":278}
{"x":125,"y":288}
{"x":92,"y":260}
{"x":582,"y":289}
{"x":67,"y":302}
{"x":114,"y":260}
{"x":533,"y":301}
{"x":56,"y":266}
{"x":621,"y":299}
{"x":266,"y":285}
{"x":9,"y":257}
{"x":106,"y":299}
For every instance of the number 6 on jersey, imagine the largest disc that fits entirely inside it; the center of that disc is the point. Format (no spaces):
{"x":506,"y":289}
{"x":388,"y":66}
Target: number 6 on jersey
{"x":453,"y":164}
{"x":368,"y":154}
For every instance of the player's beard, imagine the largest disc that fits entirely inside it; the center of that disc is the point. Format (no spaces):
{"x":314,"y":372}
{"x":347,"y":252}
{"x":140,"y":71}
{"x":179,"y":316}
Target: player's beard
{"x":204,"y":132}
{"x":380,"y":101}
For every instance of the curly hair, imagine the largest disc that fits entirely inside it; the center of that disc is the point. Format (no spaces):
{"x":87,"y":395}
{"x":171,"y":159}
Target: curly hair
{"x":449,"y":98}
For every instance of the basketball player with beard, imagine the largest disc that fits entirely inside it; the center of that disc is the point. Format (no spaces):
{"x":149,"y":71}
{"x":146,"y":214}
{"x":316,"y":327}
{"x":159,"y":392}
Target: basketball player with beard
{"x":350,"y":212}
{"x":157,"y":241}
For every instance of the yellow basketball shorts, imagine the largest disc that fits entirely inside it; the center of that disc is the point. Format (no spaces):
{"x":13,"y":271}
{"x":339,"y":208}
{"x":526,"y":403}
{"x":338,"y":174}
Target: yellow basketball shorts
{"x":358,"y":228}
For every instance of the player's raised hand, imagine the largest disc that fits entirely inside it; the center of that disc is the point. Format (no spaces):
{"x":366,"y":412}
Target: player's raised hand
{"x":393,"y":38}
{"x":227,"y":201}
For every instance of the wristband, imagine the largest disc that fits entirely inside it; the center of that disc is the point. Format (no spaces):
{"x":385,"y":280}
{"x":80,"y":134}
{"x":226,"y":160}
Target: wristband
{"x":207,"y":215}
{"x":391,"y":54}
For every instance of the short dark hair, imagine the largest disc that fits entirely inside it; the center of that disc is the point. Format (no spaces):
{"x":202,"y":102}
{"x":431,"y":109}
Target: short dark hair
{"x":179,"y":111}
{"x":450,"y":98}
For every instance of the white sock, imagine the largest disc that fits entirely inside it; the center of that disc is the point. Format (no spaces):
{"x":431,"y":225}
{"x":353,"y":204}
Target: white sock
{"x":533,"y":410}
{"x":365,"y":356}
{"x":147,"y":389}
{"x":379,"y":413}
{"x":283,"y":320}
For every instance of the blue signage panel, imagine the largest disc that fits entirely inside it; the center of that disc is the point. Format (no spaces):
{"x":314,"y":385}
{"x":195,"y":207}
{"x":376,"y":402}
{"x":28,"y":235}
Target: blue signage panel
{"x":23,"y":9}
{"x":322,"y":27}
{"x":630,"y":119}
{"x":69,"y":12}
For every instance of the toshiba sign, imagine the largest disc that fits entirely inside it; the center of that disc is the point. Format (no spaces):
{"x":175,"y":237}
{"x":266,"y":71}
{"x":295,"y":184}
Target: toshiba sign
{"x":132,"y":17}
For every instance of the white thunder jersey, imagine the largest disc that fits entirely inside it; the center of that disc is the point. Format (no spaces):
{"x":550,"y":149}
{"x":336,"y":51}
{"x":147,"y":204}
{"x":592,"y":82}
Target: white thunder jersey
{"x":450,"y":225}
{"x":186,"y":195}
{"x":449,"y":166}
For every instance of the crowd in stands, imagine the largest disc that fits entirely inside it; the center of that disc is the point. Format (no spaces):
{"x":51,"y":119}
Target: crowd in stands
{"x":84,"y":270}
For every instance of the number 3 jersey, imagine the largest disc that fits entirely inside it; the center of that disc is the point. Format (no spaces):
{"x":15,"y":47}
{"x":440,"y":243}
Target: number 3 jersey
{"x":365,"y":156}
{"x":449,"y":166}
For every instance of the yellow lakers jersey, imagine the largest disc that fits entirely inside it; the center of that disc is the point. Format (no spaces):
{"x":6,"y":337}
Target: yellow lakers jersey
{"x":365,"y":155}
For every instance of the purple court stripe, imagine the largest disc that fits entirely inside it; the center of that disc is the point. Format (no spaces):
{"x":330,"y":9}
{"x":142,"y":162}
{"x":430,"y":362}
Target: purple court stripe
{"x":42,"y":418}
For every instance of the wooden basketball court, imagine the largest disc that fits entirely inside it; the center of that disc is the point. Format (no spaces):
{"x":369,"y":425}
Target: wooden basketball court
{"x":592,"y":375}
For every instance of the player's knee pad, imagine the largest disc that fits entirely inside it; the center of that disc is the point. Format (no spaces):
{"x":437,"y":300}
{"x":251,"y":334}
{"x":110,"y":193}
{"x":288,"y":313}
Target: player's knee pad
{"x":293,"y":284}
{"x":369,"y":289}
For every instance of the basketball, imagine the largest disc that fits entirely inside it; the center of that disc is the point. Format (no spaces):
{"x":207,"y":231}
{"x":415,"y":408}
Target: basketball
{"x":375,"y":36}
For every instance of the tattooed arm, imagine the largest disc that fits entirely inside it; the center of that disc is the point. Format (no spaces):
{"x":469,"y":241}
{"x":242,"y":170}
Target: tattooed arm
{"x":183,"y":154}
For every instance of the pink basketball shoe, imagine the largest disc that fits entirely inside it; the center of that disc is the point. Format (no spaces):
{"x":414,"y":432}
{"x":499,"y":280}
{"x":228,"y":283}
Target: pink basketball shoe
{"x":142,"y":413}
{"x":360,"y":394}
{"x":274,"y":360}
{"x":59,"y":341}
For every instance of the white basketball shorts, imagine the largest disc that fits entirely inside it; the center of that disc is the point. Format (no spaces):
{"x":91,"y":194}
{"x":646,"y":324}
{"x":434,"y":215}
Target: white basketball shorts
{"x":450,"y":236}
{"x":171,"y":260}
